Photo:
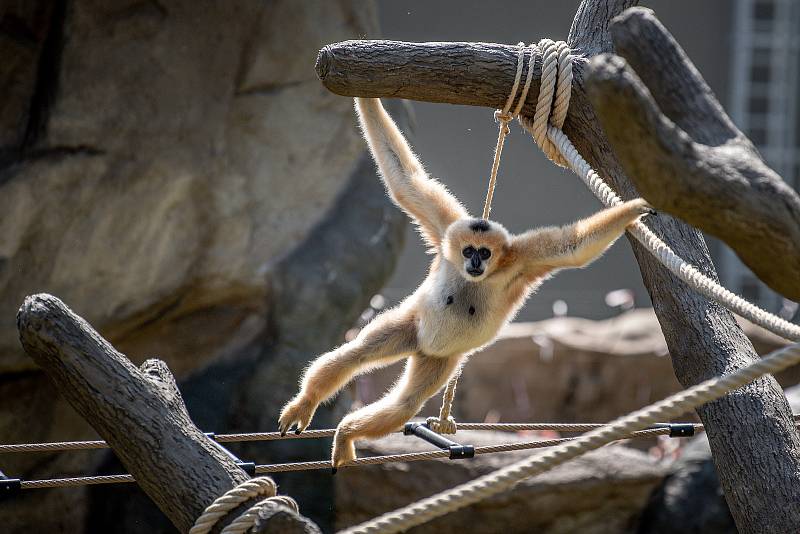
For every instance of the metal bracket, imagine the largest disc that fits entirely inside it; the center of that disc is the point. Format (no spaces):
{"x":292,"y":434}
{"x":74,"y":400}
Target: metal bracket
{"x":457,"y":451}
{"x":247,"y":467}
{"x":9,"y":486}
{"x":677,"y":430}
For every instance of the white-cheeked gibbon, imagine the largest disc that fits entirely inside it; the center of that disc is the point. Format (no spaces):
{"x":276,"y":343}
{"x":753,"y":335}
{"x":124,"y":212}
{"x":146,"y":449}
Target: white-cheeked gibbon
{"x":479,"y":277}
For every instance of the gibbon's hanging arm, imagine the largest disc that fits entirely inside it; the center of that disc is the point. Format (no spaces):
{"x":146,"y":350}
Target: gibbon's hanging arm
{"x":457,"y":451}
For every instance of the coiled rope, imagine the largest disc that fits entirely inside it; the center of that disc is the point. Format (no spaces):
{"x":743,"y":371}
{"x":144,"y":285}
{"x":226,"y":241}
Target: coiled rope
{"x":247,"y":490}
{"x":545,"y":127}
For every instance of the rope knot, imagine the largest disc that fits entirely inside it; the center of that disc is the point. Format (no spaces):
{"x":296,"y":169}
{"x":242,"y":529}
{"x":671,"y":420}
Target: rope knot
{"x":442,"y":426}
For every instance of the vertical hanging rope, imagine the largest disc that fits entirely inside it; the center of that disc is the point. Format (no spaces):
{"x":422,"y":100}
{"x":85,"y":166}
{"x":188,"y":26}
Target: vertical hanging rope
{"x":504,"y":117}
{"x":445,"y":424}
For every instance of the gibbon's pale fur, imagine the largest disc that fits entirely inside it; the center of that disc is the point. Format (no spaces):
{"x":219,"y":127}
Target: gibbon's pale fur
{"x":479,"y":277}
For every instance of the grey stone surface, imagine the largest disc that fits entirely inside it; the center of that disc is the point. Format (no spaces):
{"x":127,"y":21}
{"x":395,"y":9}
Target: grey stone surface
{"x":184,"y":151}
{"x":161,"y":164}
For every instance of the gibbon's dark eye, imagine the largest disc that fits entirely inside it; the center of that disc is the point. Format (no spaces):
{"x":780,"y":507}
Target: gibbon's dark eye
{"x":468,"y":252}
{"x":484,"y":253}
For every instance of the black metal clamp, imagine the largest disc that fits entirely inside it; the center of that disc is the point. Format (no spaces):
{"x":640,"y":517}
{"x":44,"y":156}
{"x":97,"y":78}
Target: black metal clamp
{"x":247,"y":467}
{"x":677,"y":430}
{"x":9,"y":486}
{"x":457,"y":451}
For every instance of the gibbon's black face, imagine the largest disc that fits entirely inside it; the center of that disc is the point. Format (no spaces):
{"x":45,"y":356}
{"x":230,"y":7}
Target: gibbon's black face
{"x":475,"y":245}
{"x":474,"y":259}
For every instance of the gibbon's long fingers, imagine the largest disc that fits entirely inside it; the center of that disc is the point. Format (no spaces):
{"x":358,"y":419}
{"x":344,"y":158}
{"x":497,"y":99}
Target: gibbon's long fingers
{"x":297,"y":413}
{"x":422,"y":378}
{"x":580,"y":243}
{"x":389,"y":337}
{"x":424,"y":199}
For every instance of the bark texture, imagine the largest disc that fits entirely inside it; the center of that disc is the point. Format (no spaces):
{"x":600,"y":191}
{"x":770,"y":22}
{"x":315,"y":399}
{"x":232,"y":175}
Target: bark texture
{"x":685,"y":155}
{"x":703,"y":338}
{"x":138,"y":411}
{"x":474,"y":74}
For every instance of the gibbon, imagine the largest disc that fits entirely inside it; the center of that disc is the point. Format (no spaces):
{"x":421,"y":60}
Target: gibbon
{"x":479,"y":277}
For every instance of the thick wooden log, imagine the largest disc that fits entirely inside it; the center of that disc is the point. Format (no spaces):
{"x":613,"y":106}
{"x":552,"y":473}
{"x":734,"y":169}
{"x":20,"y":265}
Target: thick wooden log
{"x":685,"y":156}
{"x":703,"y":338}
{"x":471,"y":74}
{"x":138,"y":411}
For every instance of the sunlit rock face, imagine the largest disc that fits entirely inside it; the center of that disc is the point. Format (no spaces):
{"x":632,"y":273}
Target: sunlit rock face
{"x":162,"y":164}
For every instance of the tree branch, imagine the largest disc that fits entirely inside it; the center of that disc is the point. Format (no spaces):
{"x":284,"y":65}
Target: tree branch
{"x":139,"y":412}
{"x":679,"y":147}
{"x":472,"y":74}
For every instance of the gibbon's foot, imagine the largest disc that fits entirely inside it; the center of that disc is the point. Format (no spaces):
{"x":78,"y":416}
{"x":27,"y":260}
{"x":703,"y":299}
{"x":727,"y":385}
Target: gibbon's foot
{"x":297,"y":412}
{"x":344,"y":450}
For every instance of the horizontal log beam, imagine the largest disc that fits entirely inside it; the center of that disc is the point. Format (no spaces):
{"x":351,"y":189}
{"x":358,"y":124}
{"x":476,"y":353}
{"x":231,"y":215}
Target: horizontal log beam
{"x":472,"y":74}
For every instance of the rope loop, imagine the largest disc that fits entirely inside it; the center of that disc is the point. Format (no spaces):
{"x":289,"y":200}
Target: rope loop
{"x":446,"y":426}
{"x":249,"y":489}
{"x":555,"y":89}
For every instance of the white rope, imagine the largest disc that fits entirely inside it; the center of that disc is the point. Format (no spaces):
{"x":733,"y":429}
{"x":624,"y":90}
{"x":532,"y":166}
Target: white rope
{"x":677,"y":265}
{"x":507,"y":477}
{"x":249,"y":489}
{"x":551,"y":138}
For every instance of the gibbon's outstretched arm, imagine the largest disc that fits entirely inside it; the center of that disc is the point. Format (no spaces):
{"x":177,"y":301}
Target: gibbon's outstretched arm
{"x":389,"y":337}
{"x":424,"y":199}
{"x":578,"y":244}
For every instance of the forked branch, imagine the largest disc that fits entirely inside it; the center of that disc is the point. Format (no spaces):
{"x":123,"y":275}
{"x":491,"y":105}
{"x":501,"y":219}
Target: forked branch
{"x":686,"y":157}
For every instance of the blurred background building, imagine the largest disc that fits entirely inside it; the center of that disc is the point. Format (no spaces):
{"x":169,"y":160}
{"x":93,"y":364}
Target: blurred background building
{"x":763,"y":101}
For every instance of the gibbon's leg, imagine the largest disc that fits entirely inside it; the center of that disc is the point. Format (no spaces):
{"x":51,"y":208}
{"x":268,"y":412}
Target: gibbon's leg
{"x":426,"y":200}
{"x":578,"y":244}
{"x":423,"y":376}
{"x":390,"y":336}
